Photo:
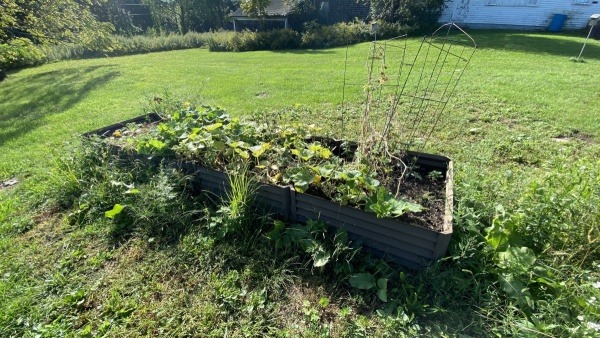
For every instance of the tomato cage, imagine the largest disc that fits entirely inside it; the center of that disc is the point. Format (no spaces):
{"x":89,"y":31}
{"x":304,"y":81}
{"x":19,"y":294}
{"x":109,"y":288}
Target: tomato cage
{"x":408,"y":86}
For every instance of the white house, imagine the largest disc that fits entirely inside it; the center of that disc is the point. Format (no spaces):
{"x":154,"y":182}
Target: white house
{"x":518,"y":14}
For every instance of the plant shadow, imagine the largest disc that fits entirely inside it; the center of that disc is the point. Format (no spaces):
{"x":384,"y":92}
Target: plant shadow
{"x":303,"y":51}
{"x":28,"y":100}
{"x":538,"y":43}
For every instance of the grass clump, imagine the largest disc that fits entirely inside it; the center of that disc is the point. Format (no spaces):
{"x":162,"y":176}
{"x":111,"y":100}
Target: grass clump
{"x":94,"y":183}
{"x":127,"y":45}
{"x":249,"y":40}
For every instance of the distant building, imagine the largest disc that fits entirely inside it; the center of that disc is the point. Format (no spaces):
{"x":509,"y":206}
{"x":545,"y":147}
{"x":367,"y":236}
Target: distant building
{"x":518,"y":14}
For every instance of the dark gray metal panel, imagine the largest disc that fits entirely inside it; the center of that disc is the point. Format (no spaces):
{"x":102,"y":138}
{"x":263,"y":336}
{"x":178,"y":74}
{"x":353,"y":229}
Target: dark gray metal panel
{"x":357,"y":216}
{"x":373,"y":232}
{"x":109,"y":129}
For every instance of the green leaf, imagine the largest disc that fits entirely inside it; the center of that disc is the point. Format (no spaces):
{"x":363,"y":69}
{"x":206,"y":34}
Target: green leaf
{"x":363,"y":281}
{"x":324,"y":302}
{"x":260,"y":149}
{"x":321,"y":258}
{"x":301,"y":178}
{"x":516,"y":290}
{"x":326,"y":170}
{"x":132,"y":191}
{"x":278,"y":229}
{"x":219,"y":145}
{"x":382,"y":289}
{"x":114,"y":211}
{"x":213,"y":127}
{"x":156,"y":144}
{"x":516,"y":259}
{"x":384,"y":204}
{"x":303,"y":154}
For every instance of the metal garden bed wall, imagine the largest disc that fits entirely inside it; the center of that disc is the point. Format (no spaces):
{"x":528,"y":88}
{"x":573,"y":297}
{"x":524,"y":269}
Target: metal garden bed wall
{"x":408,"y":244}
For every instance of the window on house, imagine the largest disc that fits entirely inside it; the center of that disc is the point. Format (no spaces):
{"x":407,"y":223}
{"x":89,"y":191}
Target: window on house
{"x":513,"y":3}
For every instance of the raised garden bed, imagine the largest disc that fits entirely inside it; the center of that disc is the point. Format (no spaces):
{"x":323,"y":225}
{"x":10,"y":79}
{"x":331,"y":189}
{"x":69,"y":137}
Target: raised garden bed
{"x":410,"y":240}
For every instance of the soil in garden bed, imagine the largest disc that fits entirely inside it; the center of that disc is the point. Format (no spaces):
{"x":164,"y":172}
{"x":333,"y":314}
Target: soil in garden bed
{"x":417,"y":185}
{"x":428,"y":192}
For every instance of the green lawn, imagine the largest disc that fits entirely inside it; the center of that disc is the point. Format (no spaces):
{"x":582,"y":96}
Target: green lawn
{"x":523,"y":74}
{"x":522,"y":127}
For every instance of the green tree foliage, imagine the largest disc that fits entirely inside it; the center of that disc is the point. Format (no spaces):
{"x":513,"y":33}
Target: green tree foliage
{"x":420,"y":14}
{"x":25,"y":25}
{"x":255,"y":8}
{"x":182,"y":16}
{"x":50,"y":21}
{"x":129,"y":17}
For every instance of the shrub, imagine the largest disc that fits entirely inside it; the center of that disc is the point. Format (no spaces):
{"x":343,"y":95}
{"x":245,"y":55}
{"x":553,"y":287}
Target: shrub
{"x":340,"y":34}
{"x":420,"y":15}
{"x":219,"y":42}
{"x":130,"y":196}
{"x":279,"y":39}
{"x":18,"y":53}
{"x":249,"y":41}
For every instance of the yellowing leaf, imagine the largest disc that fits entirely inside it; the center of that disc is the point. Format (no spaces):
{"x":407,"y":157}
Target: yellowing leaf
{"x":212,"y":127}
{"x":260,"y":149}
{"x":114,"y":211}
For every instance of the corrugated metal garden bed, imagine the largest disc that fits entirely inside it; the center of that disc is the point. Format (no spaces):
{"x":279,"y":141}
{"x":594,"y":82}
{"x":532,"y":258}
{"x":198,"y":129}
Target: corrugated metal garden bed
{"x":408,"y":240}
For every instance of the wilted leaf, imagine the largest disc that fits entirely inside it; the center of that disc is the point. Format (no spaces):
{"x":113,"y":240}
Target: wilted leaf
{"x":320,"y":151}
{"x":260,"y":149}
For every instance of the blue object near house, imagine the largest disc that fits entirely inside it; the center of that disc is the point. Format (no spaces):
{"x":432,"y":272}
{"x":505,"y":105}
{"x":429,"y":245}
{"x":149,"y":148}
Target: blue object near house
{"x":520,"y":14}
{"x":557,"y":22}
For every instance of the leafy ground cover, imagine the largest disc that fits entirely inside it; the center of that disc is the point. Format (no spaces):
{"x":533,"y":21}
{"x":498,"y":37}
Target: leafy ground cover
{"x":277,"y":151}
{"x":524,"y":258}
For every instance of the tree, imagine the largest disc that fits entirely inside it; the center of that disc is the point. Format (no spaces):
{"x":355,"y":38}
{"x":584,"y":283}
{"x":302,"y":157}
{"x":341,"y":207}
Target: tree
{"x":49,"y":21}
{"x":418,"y":14}
{"x":182,"y":16}
{"x":25,"y":25}
{"x":255,"y":8}
{"x":129,"y":17}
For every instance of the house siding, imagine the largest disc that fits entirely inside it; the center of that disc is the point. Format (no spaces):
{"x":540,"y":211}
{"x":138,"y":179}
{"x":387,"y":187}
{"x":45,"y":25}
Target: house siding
{"x":478,"y":14}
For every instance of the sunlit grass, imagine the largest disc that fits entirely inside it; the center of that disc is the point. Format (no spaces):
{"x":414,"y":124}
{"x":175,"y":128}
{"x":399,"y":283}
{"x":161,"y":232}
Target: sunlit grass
{"x":522,"y":110}
{"x":522,"y":74}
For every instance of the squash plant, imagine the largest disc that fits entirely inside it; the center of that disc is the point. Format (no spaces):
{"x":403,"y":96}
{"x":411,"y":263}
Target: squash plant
{"x":284,"y":154}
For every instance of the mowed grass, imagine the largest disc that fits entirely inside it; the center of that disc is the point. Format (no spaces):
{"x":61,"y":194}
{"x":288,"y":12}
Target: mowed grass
{"x":522,"y":111}
{"x":41,"y":108}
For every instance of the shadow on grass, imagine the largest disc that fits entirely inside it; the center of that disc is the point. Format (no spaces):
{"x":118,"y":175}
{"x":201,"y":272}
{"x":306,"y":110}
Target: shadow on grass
{"x":303,"y":51}
{"x":537,"y":43}
{"x":28,"y":100}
